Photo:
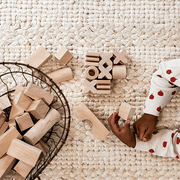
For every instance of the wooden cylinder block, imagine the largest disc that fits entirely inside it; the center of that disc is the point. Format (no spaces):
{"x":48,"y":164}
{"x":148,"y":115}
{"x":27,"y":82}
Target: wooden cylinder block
{"x":91,"y":73}
{"x":119,"y":71}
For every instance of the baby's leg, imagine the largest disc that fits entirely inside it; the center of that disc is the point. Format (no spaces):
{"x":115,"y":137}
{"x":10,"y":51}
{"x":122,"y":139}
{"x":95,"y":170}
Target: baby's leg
{"x":164,"y":143}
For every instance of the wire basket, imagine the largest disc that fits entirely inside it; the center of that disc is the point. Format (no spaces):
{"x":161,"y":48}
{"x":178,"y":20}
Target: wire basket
{"x":13,"y":74}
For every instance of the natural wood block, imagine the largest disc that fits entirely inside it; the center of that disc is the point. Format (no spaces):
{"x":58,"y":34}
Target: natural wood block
{"x":89,"y":86}
{"x":120,"y":57}
{"x":23,"y":168}
{"x":19,"y":89}
{"x":6,"y":139}
{"x":24,"y":152}
{"x":119,"y":71}
{"x":38,"y":109}
{"x":2,"y":120}
{"x":86,"y":64}
{"x":36,"y":93}
{"x":38,"y":58}
{"x":24,"y":121}
{"x":39,"y":145}
{"x":103,"y":82}
{"x":63,"y":55}
{"x":22,"y":101}
{"x":44,"y":145}
{"x":4,"y":102}
{"x":61,"y":75}
{"x":84,"y":113}
{"x":12,"y":123}
{"x":91,"y":73}
{"x":15,"y":111}
{"x":92,"y":54}
{"x":92,"y":59}
{"x":42,"y":127}
{"x":103,"y":87}
{"x":4,"y":127}
{"x":126,"y":111}
{"x":17,"y":176}
{"x":6,"y":163}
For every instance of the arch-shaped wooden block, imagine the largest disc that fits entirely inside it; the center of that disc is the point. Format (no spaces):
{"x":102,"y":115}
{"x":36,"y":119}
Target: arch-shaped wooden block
{"x":119,"y":71}
{"x":84,"y":113}
{"x":91,"y":73}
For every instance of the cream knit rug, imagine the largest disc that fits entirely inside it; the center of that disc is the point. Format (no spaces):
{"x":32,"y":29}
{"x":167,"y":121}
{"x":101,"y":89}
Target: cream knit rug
{"x":148,"y":30}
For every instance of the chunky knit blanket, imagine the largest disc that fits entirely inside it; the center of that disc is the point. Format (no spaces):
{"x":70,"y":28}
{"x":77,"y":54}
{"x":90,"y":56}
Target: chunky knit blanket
{"x":148,"y":30}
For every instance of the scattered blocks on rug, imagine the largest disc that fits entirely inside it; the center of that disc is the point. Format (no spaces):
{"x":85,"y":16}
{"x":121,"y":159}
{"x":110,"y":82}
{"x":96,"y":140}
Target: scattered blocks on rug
{"x":103,"y":66}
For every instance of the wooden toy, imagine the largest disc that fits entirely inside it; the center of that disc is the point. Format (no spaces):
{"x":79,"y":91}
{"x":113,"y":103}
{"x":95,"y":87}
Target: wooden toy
{"x":4,"y":102}
{"x":92,"y":54}
{"x":103,"y":82}
{"x":15,"y":111}
{"x":24,"y":121}
{"x":3,"y":128}
{"x":86,"y":64}
{"x":90,"y":86}
{"x":6,"y":139}
{"x":44,"y":145}
{"x":105,"y":66}
{"x":38,"y":145}
{"x":36,"y":93}
{"x":24,"y":152}
{"x":119,"y":71}
{"x":38,"y":58}
{"x":119,"y":57}
{"x":6,"y":163}
{"x":92,"y":59}
{"x":63,"y":55}
{"x":83,"y":113}
{"x":17,"y":176}
{"x":38,"y":109}
{"x":19,"y":89}
{"x":23,"y":168}
{"x":34,"y":134}
{"x":2,"y":120}
{"x":12,"y":123}
{"x":61,"y":75}
{"x":22,"y":101}
{"x":91,"y":73}
{"x":126,"y":111}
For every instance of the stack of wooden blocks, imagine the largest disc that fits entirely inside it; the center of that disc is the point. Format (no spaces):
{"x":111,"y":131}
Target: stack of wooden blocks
{"x":21,"y":137}
{"x":101,"y":68}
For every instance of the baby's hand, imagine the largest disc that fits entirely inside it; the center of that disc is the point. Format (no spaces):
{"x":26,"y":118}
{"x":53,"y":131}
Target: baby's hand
{"x":124,"y":134}
{"x":145,"y":126}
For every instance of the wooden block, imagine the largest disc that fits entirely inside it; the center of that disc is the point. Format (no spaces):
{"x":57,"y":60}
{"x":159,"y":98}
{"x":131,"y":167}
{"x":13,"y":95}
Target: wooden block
{"x":39,"y":145}
{"x":17,"y":176}
{"x":22,"y":101}
{"x":61,"y":75}
{"x":91,"y":73}
{"x":19,"y":89}
{"x":44,"y":145}
{"x":38,"y":109}
{"x":83,"y":113}
{"x":103,"y":82}
{"x":1,"y":115}
{"x":6,"y":163}
{"x":24,"y":121}
{"x":36,"y":93}
{"x":89,"y":86}
{"x":4,"y":127}
{"x":23,"y":168}
{"x":92,"y":59}
{"x":38,"y":58}
{"x":4,"y":102}
{"x":126,"y":111}
{"x":119,"y":71}
{"x":92,"y":54}
{"x":15,"y":111}
{"x":2,"y":120}
{"x":103,"y":87}
{"x":12,"y":123}
{"x":63,"y":55}
{"x":120,"y":57}
{"x":105,"y":65}
{"x":6,"y":139}
{"x":86,"y":64}
{"x":42,"y":127}
{"x":24,"y":152}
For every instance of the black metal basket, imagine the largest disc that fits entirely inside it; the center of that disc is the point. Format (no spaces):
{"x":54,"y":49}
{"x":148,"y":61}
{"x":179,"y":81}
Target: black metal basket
{"x":13,"y":74}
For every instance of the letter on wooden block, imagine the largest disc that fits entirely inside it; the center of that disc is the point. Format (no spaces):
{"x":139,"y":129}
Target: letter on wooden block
{"x":90,"y":86}
{"x":6,"y":139}
{"x":3,"y":128}
{"x":91,"y":73}
{"x":105,"y":66}
{"x":83,"y":113}
{"x":38,"y":109}
{"x":24,"y":121}
{"x":61,"y":75}
{"x":119,"y":57}
{"x":34,"y":134}
{"x":38,"y":58}
{"x":24,"y":152}
{"x":6,"y":163}
{"x":119,"y":71}
{"x":4,"y":102}
{"x":126,"y":111}
{"x":63,"y":55}
{"x":36,"y":93}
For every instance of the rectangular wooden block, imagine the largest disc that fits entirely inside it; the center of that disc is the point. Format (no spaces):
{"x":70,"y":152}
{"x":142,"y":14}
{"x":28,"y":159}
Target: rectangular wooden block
{"x":6,"y":163}
{"x":38,"y":58}
{"x":39,"y":145}
{"x":92,"y":54}
{"x":6,"y":139}
{"x":38,"y":109}
{"x":86,"y":64}
{"x":19,"y":89}
{"x":44,"y":145}
{"x":36,"y":93}
{"x":103,"y":82}
{"x":92,"y":59}
{"x":103,"y":87}
{"x":64,"y":56}
{"x":24,"y":152}
{"x":4,"y":102}
{"x":24,"y":121}
{"x":15,"y":111}
{"x":4,"y":127}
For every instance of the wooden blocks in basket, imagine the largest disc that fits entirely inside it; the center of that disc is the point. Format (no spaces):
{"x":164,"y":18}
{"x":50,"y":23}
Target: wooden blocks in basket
{"x":104,"y":67}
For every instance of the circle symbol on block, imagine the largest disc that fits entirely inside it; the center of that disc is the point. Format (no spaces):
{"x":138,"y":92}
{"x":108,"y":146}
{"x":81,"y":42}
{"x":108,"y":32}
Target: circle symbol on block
{"x":91,"y":73}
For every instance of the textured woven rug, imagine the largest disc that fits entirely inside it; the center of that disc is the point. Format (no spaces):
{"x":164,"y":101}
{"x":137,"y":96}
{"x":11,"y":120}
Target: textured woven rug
{"x":148,"y":30}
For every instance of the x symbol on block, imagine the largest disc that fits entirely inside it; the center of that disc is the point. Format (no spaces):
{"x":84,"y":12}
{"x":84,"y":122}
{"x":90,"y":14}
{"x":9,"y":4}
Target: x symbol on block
{"x":89,"y":86}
